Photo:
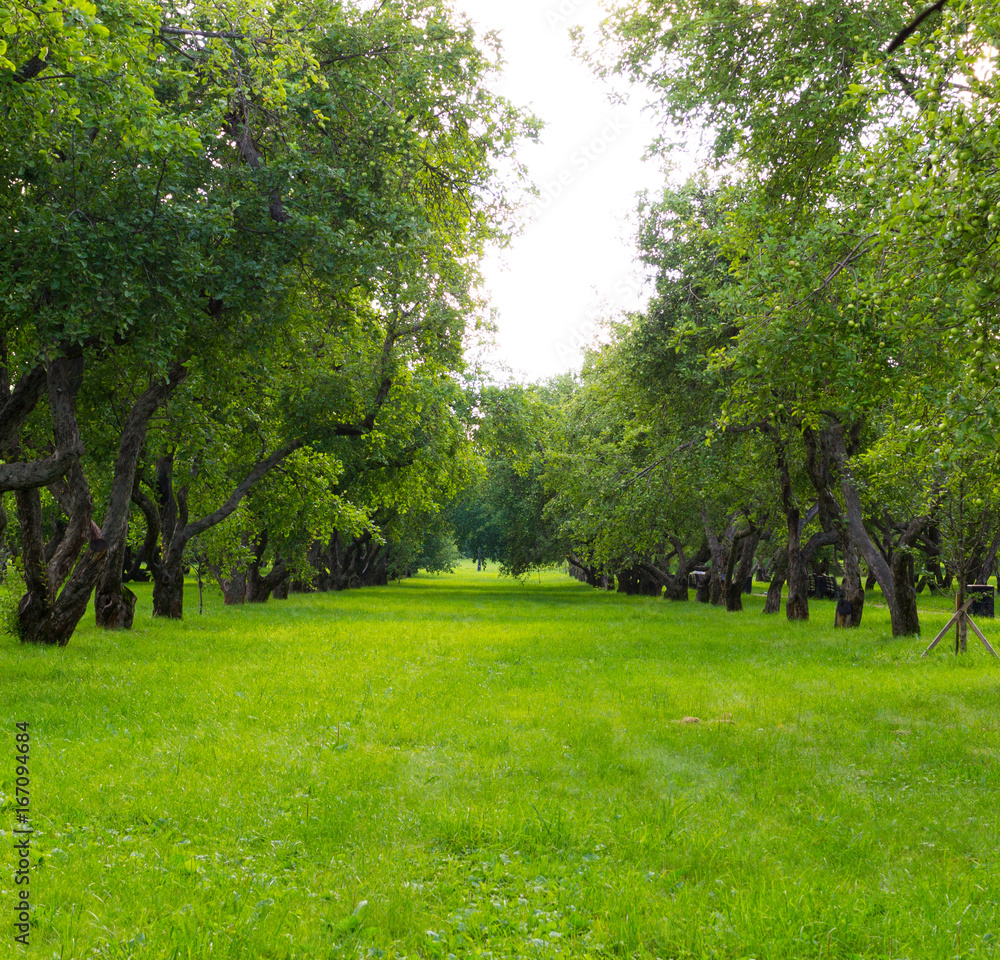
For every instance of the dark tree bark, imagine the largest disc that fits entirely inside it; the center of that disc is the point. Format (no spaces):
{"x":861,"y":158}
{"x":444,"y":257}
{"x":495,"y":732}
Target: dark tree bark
{"x":148,"y":553}
{"x":233,"y":580}
{"x":59,"y":591}
{"x":734,"y":586}
{"x":725,"y":587}
{"x":259,"y":587}
{"x":234,"y":587}
{"x":703,"y":590}
{"x":677,"y":589}
{"x":773,"y":602}
{"x":17,"y":400}
{"x":827,"y":451}
{"x":589,"y":572}
{"x":168,"y":577}
{"x":114,"y":603}
{"x":675,"y":585}
{"x":61,"y":379}
{"x":797,"y":604}
{"x":636,"y":581}
{"x":115,"y":611}
{"x":34,"y":606}
{"x":168,"y":585}
{"x":854,"y":590}
{"x":51,"y":608}
{"x":262,"y":588}
{"x":906,"y":596}
{"x":799,"y":557}
{"x":719,"y":548}
{"x":4,"y":549}
{"x":39,"y":473}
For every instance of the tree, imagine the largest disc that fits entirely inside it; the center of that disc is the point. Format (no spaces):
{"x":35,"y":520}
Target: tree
{"x":181,"y":231}
{"x":832,"y":156}
{"x":503,"y":515}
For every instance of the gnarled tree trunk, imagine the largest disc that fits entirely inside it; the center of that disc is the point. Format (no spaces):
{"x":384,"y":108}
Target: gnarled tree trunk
{"x":797,"y":604}
{"x":735,"y":585}
{"x":827,"y":450}
{"x":168,"y":588}
{"x":59,"y":591}
{"x":115,"y":611}
{"x":773,"y":602}
{"x":853,"y":588}
{"x":259,"y":587}
{"x":901,"y":568}
{"x":114,"y":603}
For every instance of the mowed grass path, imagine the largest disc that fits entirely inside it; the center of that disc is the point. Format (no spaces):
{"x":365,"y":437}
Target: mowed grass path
{"x":467,"y":766}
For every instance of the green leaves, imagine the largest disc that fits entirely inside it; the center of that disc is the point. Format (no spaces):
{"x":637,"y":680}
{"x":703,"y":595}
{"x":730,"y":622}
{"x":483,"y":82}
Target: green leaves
{"x":290,"y":204}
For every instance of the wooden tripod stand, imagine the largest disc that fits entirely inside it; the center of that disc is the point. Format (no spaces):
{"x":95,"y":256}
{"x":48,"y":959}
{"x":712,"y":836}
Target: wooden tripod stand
{"x":961,"y":615}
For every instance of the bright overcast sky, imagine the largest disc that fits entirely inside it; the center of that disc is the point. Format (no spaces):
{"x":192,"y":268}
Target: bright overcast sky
{"x":574,"y":263}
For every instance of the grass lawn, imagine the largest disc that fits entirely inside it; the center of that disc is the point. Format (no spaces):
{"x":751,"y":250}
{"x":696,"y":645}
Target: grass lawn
{"x":466,"y":766}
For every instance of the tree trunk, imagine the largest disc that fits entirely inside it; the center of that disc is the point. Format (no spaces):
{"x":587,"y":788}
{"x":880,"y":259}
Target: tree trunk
{"x":168,"y":573}
{"x":115,"y":611}
{"x":168,"y":587}
{"x":905,"y":595}
{"x":34,"y":606}
{"x":716,"y":590}
{"x":797,"y":604}
{"x":177,"y":532}
{"x":57,"y":627}
{"x":732,"y":588}
{"x":259,"y":588}
{"x":773,"y":602}
{"x":735,"y":585}
{"x":114,"y":603}
{"x":4,"y":552}
{"x":703,"y":592}
{"x":234,"y":587}
{"x":854,"y":590}
{"x":58,"y":593}
{"x":676,"y":588}
{"x":717,"y":578}
{"x":590,"y":573}
{"x":830,"y":447}
{"x":53,"y":605}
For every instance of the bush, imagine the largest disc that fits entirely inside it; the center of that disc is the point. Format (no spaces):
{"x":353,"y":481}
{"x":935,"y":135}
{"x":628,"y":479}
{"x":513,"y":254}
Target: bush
{"x":11,"y":591}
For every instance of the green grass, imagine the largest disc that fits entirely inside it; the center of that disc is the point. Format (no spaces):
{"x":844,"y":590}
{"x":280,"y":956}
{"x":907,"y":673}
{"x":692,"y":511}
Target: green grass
{"x":473,"y":767}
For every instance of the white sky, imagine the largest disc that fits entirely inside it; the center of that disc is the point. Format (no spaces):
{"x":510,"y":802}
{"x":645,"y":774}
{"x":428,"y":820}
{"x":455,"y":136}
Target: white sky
{"x":574,"y":263}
